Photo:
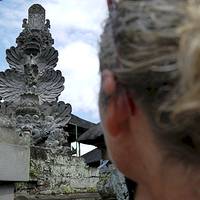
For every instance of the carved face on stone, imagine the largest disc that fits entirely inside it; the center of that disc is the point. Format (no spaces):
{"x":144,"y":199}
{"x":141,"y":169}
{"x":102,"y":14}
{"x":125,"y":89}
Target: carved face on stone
{"x":50,"y":120}
{"x":25,"y":124}
{"x":32,"y":44}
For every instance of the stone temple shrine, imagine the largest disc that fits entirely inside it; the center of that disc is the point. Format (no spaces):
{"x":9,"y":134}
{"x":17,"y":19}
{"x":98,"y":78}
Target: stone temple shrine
{"x":36,"y":130}
{"x":30,"y":88}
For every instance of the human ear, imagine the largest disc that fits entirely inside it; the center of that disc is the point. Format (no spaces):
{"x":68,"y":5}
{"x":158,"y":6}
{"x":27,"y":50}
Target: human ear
{"x":119,"y":108}
{"x":117,"y":115}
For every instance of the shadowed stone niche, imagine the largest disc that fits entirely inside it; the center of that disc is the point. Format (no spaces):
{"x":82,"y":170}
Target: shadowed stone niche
{"x":31,"y":87}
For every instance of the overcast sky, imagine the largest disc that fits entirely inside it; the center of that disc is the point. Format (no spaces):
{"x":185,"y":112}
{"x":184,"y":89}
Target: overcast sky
{"x":76,"y":26}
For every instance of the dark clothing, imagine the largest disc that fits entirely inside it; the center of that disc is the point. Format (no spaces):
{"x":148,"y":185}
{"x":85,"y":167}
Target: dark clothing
{"x":131,"y":186}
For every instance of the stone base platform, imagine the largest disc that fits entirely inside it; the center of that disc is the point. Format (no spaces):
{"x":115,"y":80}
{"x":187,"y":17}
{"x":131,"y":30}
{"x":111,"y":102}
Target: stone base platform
{"x":80,"y":196}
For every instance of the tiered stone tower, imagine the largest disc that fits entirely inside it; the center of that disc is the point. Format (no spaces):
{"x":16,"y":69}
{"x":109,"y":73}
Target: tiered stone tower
{"x":30,"y":88}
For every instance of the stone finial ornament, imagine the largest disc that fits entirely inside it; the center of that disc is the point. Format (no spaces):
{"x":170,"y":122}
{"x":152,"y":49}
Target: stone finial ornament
{"x":36,"y":17}
{"x":35,"y":36}
{"x":31,"y":87}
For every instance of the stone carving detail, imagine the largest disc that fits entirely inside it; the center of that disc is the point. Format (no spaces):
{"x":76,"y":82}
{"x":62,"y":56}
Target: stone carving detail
{"x":30,"y":88}
{"x":47,"y":85}
{"x":45,"y":60}
{"x":36,"y":17}
{"x":35,"y":35}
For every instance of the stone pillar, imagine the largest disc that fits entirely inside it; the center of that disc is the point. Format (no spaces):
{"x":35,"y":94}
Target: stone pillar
{"x":14,"y":158}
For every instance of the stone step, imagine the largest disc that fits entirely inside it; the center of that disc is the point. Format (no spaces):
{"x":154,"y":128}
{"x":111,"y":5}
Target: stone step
{"x":80,"y":196}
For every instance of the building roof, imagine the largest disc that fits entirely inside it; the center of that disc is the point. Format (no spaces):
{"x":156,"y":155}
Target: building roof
{"x":93,"y":156}
{"x":81,"y":125}
{"x":81,"y":122}
{"x":93,"y":136}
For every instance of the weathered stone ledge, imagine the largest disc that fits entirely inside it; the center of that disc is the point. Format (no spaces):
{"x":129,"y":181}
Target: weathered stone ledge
{"x":86,"y":196}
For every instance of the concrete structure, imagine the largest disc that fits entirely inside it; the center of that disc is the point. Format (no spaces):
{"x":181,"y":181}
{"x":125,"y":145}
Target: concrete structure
{"x":14,"y":158}
{"x":57,"y":174}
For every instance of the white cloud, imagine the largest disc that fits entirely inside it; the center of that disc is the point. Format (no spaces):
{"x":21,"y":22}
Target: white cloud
{"x":85,"y":14}
{"x":79,"y":65}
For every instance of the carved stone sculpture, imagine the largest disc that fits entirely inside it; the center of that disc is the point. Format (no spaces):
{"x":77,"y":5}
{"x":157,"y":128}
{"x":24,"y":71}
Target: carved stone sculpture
{"x":30,"y":88}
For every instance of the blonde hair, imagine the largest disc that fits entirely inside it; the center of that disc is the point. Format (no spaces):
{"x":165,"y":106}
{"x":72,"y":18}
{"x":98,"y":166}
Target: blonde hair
{"x":158,"y":47}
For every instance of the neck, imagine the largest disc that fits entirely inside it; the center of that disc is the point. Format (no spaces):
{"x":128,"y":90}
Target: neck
{"x":173,"y":181}
{"x":158,"y":178}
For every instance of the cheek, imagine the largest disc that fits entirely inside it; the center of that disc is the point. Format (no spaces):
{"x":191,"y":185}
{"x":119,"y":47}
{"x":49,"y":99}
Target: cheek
{"x":102,"y":113}
{"x":108,"y":139}
{"x":110,"y":145}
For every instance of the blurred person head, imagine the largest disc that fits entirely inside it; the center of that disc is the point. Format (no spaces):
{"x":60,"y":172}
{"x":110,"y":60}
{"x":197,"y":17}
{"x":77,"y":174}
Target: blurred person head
{"x":150,"y":95}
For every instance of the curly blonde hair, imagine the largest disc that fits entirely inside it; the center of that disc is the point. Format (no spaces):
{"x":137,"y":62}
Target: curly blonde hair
{"x":158,"y":47}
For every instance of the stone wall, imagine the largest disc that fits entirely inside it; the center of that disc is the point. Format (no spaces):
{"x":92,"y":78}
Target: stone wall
{"x":57,"y":174}
{"x":112,"y":184}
